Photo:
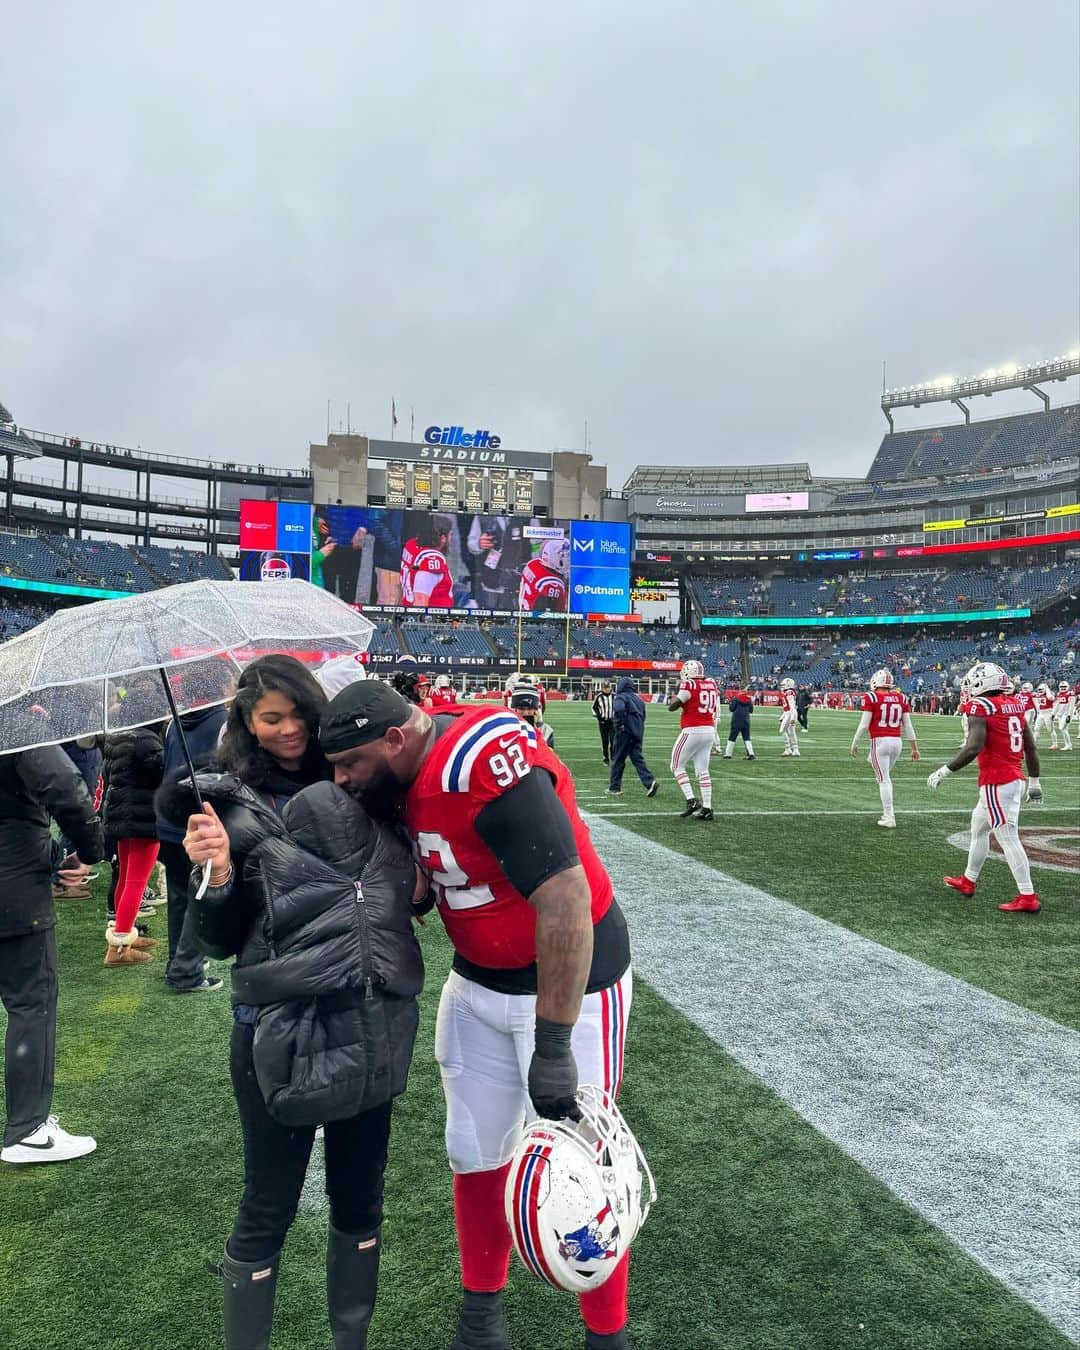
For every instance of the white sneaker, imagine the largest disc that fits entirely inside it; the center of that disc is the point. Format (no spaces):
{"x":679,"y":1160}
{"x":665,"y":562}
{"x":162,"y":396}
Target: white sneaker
{"x":48,"y":1143}
{"x":796,"y":754}
{"x":784,"y":752}
{"x":888,"y":822}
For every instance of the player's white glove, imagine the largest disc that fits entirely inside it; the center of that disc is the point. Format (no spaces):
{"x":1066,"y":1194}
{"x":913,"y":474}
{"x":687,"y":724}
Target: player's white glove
{"x":938,"y":777}
{"x":1034,"y":793}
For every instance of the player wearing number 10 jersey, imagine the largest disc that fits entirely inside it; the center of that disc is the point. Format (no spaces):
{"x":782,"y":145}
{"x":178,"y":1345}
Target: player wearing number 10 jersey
{"x":696,"y":700}
{"x":999,"y":736}
{"x":886,"y":715}
{"x":540,"y":989}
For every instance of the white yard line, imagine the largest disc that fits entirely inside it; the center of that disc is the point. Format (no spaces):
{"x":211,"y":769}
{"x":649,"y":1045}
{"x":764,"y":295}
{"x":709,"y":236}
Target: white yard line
{"x":965,"y":1105}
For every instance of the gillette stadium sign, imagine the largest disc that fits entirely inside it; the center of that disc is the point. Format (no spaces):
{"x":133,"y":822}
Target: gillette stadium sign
{"x":457,"y":445}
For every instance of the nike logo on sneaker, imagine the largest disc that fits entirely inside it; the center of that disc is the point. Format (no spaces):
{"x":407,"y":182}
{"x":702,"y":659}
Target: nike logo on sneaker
{"x":25,"y":1143}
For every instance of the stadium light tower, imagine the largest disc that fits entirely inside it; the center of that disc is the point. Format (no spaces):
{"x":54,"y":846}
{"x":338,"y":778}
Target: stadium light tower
{"x":13,"y":441}
{"x":948,"y":389}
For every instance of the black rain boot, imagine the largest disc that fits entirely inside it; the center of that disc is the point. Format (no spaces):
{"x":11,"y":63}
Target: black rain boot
{"x":249,"y":1301}
{"x":482,"y":1324}
{"x":352,"y":1280}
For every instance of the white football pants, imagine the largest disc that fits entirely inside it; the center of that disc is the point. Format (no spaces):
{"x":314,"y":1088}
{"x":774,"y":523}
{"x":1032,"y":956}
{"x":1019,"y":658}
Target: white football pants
{"x":1061,"y":728}
{"x":1044,"y":721}
{"x":483,"y":1046}
{"x":789,"y":734}
{"x":693,"y":746}
{"x":998,"y":809}
{"x":884,"y":752}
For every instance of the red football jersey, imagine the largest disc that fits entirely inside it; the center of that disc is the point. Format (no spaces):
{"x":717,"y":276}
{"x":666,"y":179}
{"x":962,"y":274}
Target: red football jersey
{"x":1062,"y":703}
{"x":417,"y":561}
{"x":788,"y":703}
{"x":485,"y":753}
{"x":886,"y":708}
{"x":1043,"y":702}
{"x":700,"y":704}
{"x":443,"y":698}
{"x":541,"y":583}
{"x":1001,"y":759}
{"x":1027,"y":700}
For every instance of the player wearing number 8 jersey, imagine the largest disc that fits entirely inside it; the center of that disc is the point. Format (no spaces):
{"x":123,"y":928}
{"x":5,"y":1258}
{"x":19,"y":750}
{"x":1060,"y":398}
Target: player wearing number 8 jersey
{"x":696,"y":701}
{"x":540,"y":989}
{"x":999,"y":736}
{"x":886,"y":715}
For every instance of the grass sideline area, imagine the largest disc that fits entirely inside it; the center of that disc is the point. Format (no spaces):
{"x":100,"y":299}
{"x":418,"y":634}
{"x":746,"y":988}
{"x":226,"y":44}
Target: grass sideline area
{"x":765,"y":1234}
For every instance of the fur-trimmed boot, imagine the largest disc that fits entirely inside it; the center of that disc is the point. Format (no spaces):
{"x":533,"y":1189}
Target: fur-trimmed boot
{"x":122,"y":949}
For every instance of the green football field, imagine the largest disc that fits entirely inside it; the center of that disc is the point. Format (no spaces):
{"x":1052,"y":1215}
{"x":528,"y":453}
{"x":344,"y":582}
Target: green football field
{"x":854,"y":1088}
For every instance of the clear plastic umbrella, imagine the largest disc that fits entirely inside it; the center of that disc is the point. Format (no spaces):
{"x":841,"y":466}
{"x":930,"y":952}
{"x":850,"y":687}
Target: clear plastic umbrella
{"x":118,"y":664}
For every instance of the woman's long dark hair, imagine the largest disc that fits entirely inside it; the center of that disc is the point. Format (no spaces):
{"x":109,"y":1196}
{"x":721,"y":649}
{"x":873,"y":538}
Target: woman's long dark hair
{"x":240,"y":753}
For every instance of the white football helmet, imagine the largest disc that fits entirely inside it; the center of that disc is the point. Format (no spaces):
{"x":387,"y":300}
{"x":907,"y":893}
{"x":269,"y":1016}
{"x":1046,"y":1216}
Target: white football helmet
{"x":555,"y":553}
{"x":692,"y":670}
{"x":577,"y":1194}
{"x":787,"y":684}
{"x":443,"y":682}
{"x":1063,"y":687}
{"x":339,"y":672}
{"x":1044,"y":688}
{"x":1026,"y":688}
{"x":881,"y":679}
{"x":515,"y":679}
{"x":984,"y":678}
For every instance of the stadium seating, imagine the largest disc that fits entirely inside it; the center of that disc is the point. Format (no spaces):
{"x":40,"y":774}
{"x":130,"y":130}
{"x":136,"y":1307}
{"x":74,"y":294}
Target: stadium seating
{"x":1034,"y":438}
{"x":444,"y":639}
{"x":170,"y":565}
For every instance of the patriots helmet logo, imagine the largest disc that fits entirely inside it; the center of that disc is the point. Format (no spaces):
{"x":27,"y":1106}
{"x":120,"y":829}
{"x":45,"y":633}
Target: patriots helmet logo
{"x":597,"y":1240}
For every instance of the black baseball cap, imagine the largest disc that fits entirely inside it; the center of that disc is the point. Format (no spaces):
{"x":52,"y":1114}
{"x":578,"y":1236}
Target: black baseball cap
{"x":361,"y":713}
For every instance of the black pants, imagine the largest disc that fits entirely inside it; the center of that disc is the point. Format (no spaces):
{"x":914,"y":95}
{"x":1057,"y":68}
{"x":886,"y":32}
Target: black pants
{"x":276,"y":1162}
{"x":736,"y":731}
{"x":801,"y":715}
{"x":341,"y":576}
{"x":28,"y":990}
{"x":607,"y":734}
{"x":629,"y":747}
{"x":185,"y":967}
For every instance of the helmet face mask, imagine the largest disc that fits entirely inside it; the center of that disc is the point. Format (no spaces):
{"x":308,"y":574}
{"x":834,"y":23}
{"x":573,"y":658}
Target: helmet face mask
{"x":984,"y":678}
{"x":443,"y":682}
{"x":577,"y":1194}
{"x":555,"y":553}
{"x":1026,"y":688}
{"x":692,"y":670}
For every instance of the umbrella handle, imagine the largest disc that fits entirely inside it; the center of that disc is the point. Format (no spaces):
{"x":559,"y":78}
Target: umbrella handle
{"x":206,"y":870}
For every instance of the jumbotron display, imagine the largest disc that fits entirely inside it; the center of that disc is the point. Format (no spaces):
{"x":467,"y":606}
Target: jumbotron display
{"x":395,"y":560}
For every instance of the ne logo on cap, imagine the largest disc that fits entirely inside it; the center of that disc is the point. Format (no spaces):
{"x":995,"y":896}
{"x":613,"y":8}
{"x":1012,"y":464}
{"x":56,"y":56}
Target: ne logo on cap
{"x":361,"y":722}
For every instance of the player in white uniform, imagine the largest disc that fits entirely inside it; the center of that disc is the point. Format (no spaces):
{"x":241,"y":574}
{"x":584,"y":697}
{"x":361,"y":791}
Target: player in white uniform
{"x":789,"y":718}
{"x":696,"y":701}
{"x":886,"y":715}
{"x":1064,"y":708}
{"x":1044,"y":714}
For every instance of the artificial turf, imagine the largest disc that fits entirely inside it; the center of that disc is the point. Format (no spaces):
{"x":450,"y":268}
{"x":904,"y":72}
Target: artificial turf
{"x":765,"y":1234}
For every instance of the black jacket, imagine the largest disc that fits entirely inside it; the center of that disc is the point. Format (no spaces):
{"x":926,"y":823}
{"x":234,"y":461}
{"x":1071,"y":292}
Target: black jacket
{"x":202,"y":732}
{"x":318,"y":914}
{"x":132,"y":771}
{"x":629,"y":710}
{"x":34,"y":785}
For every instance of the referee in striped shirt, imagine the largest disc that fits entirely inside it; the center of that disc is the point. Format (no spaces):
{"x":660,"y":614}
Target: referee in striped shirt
{"x":603,"y":707}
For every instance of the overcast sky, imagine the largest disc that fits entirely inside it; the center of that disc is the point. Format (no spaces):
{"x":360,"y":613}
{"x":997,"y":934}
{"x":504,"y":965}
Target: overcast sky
{"x":699,"y":227}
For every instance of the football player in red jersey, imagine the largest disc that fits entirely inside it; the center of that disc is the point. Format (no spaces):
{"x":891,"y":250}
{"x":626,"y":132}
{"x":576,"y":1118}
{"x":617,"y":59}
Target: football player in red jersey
{"x":696,"y":701}
{"x":541,"y":986}
{"x":789,"y":718}
{"x":1063,"y":714}
{"x":426,"y":582}
{"x":442,"y":696}
{"x":1001,"y":739}
{"x":886,"y":714}
{"x":543,"y":580}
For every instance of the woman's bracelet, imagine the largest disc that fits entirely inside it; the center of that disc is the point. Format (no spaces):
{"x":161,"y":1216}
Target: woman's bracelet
{"x":221,"y":879}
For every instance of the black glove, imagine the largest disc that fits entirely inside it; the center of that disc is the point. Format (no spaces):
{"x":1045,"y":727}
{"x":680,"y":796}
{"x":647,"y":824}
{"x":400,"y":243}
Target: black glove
{"x":553,"y":1075}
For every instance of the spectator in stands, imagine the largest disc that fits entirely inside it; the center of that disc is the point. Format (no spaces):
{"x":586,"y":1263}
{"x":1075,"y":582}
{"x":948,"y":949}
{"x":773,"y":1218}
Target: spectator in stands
{"x":629,"y":717}
{"x":34,"y":785}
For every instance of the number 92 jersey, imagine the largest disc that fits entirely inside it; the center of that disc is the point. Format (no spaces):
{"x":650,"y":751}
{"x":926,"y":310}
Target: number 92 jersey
{"x":480,"y":756}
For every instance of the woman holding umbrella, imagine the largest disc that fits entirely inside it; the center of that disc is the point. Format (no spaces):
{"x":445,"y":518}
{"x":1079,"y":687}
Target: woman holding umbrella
{"x":323,"y":857}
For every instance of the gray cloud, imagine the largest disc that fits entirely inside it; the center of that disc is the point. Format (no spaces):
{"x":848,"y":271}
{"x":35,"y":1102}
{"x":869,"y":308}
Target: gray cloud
{"x":700,"y":227}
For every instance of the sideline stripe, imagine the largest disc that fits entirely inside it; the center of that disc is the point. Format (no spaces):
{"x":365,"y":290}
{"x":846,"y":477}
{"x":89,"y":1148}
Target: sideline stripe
{"x":963,"y":1104}
{"x":918,"y":811}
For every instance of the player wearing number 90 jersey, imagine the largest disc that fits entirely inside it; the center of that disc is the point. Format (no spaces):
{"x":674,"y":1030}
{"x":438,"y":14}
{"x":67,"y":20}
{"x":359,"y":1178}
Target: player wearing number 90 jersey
{"x":697,"y":701}
{"x":540,"y":990}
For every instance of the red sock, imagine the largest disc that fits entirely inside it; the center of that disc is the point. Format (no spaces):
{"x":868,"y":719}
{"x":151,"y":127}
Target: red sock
{"x":482,"y":1231}
{"x":603,"y":1310}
